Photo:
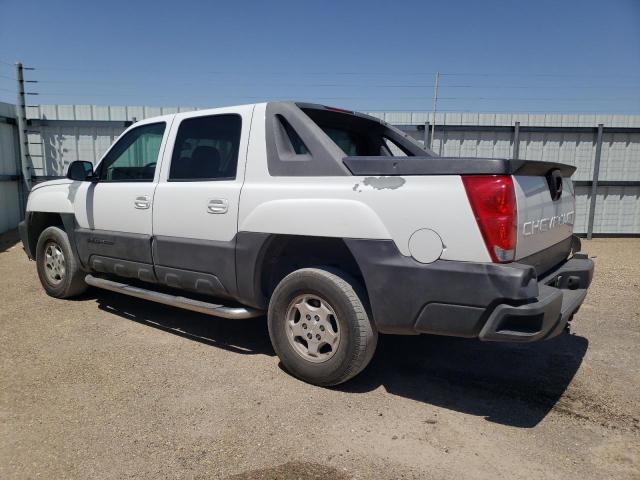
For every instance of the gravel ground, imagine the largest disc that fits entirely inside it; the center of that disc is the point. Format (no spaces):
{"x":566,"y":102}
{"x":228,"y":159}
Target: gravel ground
{"x":108,"y":386}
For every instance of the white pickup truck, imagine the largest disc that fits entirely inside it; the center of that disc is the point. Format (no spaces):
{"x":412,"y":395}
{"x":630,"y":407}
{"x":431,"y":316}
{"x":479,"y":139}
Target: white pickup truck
{"x":333,"y":223}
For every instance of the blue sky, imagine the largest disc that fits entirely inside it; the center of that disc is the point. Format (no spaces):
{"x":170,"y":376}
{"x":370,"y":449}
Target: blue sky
{"x":537,"y":56}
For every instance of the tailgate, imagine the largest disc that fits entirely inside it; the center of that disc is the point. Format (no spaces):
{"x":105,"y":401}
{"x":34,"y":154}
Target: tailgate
{"x":546,"y":213}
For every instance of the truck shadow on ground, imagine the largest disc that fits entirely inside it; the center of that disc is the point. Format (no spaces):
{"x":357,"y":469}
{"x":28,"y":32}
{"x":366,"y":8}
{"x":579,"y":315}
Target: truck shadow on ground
{"x":510,"y":384}
{"x":246,"y":337}
{"x":8,"y":240}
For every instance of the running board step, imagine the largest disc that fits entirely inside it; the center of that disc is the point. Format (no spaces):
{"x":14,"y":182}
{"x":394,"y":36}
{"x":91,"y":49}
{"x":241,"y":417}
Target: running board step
{"x":173,"y":300}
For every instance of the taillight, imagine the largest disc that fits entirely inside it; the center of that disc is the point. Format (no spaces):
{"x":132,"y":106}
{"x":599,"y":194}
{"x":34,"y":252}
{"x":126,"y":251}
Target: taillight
{"x":493,"y":201}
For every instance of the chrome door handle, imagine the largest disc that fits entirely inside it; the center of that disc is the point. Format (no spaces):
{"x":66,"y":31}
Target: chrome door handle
{"x":218,"y":205}
{"x":142,"y":202}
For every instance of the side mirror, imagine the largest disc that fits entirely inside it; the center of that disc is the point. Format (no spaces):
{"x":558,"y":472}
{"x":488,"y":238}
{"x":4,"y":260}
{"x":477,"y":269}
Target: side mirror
{"x":80,"y":170}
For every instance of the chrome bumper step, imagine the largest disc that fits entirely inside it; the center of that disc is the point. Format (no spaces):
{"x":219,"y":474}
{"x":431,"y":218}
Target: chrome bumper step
{"x":207,"y":308}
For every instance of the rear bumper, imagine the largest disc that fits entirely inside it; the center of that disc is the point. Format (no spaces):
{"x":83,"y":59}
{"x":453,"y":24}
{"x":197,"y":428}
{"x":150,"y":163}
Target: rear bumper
{"x":561,"y":294}
{"x":492,"y":302}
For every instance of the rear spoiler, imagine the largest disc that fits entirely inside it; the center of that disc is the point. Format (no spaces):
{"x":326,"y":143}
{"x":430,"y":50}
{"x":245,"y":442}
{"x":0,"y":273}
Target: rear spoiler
{"x":451,"y":166}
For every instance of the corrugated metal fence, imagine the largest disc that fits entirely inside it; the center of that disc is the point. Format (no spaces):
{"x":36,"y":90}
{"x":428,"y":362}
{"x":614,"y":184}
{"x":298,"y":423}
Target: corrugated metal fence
{"x":60,"y":134}
{"x":568,"y":139}
{"x":10,"y":189}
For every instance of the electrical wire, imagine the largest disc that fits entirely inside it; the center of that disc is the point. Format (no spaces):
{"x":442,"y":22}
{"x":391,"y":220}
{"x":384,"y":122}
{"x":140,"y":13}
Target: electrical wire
{"x":348,"y":97}
{"x":361,"y":72}
{"x":102,"y":88}
{"x":343,"y":85}
{"x":577,"y":99}
{"x":549,"y":75}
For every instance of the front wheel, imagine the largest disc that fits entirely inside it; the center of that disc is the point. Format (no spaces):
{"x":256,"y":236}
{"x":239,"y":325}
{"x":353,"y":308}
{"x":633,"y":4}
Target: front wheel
{"x":320,"y":328}
{"x":58,"y":268}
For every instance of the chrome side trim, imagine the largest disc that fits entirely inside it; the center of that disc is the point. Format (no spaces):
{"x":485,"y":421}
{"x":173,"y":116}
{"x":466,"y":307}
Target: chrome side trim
{"x":207,"y":308}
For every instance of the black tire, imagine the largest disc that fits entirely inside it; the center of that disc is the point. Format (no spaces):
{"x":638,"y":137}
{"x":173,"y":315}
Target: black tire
{"x":357,"y":335}
{"x":71,"y":283}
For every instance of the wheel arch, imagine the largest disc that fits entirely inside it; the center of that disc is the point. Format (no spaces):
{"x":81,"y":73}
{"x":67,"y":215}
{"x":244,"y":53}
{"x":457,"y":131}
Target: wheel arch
{"x":276,"y":255}
{"x":37,"y":222}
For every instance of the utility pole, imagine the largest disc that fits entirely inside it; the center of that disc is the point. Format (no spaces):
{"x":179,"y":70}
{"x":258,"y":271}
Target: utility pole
{"x":21,"y":114}
{"x":435,"y":107}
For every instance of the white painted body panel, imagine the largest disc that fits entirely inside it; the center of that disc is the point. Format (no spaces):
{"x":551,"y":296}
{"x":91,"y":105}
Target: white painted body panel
{"x":53,"y":196}
{"x":180,"y":208}
{"x":111,"y":205}
{"x":541,"y":221}
{"x":347,"y":207}
{"x":329,"y":206}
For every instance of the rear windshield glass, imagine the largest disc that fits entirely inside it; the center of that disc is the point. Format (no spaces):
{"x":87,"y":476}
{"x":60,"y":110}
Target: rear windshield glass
{"x":358,"y":136}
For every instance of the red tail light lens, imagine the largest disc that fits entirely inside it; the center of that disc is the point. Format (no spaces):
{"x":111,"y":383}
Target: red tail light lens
{"x":493,"y":201}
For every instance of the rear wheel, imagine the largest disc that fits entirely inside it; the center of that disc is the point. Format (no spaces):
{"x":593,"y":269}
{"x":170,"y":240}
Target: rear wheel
{"x":58,"y":269}
{"x":319,"y":327}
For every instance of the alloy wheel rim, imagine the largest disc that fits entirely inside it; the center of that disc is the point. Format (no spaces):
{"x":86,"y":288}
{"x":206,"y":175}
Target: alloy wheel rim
{"x":312,"y":328}
{"x":55,"y":265}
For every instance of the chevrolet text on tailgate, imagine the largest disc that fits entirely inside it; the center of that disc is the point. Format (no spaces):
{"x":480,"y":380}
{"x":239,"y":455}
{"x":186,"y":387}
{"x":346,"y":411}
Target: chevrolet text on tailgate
{"x":334,"y":224}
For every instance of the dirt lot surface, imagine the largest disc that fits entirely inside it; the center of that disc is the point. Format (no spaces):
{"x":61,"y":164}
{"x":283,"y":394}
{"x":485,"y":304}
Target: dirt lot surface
{"x":108,"y":386}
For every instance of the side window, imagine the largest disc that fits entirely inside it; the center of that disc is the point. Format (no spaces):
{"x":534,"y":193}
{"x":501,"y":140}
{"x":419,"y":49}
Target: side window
{"x":134,"y":157}
{"x":206,"y":148}
{"x":297,"y":145}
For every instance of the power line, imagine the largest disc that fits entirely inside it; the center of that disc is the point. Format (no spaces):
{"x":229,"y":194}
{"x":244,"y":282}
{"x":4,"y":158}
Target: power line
{"x":204,"y":83}
{"x":586,"y":99}
{"x":339,"y":85}
{"x":102,"y":94}
{"x":426,"y":112}
{"x":359,"y":72}
{"x":116,"y":88}
{"x":417,"y":97}
{"x":236,"y":72}
{"x":550,"y":75}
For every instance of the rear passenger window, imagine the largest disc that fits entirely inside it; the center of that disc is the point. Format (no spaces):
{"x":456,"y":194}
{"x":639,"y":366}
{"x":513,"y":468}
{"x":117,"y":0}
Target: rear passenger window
{"x":206,"y":148}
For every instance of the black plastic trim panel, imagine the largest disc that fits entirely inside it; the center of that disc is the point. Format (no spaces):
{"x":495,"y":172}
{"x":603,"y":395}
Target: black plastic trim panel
{"x":399,"y":287}
{"x":451,"y":320}
{"x":204,"y":283}
{"x":561,"y":294}
{"x":451,"y":166}
{"x":506,"y":302}
{"x":250,"y":251}
{"x":122,"y":268}
{"x":23,"y":231}
{"x":196,"y":264}
{"x":133,"y":247}
{"x":323,"y":158}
